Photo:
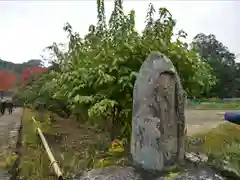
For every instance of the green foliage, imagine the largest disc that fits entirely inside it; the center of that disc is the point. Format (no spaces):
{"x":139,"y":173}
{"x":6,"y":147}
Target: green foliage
{"x":98,"y":71}
{"x":222,"y":61}
{"x":114,"y":155}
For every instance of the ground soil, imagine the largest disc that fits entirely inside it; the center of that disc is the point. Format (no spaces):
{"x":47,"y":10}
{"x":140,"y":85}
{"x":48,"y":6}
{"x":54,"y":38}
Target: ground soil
{"x":72,"y":143}
{"x":203,"y":120}
{"x":68,"y":136}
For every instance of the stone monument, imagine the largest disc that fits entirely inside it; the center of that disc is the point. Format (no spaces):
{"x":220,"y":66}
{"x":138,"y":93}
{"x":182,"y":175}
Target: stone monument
{"x":158,"y":120}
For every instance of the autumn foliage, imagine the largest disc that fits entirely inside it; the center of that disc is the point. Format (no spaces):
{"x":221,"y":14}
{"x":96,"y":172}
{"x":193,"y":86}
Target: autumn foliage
{"x":28,"y":72}
{"x":8,"y":79}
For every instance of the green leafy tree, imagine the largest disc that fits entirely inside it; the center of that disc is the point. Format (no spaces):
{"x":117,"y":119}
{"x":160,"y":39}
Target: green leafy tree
{"x":222,"y":62}
{"x":95,"y":76}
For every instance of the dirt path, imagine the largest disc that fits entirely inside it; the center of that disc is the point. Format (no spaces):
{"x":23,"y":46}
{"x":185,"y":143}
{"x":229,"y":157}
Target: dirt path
{"x":9,"y":126}
{"x":195,"y":120}
{"x":7,"y":123}
{"x":203,"y":120}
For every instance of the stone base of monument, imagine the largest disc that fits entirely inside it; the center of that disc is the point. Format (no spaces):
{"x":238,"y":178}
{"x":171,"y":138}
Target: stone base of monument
{"x":193,"y":168}
{"x":130,"y":173}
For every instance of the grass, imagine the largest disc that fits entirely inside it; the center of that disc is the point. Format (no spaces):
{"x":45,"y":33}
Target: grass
{"x":231,"y":105}
{"x":75,"y":147}
{"x":34,"y":161}
{"x":220,"y":144}
{"x":7,"y":158}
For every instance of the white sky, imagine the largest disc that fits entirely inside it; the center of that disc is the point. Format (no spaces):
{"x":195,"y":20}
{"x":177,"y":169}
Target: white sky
{"x":27,"y":27}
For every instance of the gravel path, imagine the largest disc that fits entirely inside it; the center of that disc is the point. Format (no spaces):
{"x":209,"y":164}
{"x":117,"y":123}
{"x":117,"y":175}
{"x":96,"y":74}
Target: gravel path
{"x":9,"y":126}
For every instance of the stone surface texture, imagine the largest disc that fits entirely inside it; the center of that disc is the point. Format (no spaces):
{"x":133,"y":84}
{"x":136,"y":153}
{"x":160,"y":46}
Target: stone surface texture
{"x":130,"y":173}
{"x":158,"y":120}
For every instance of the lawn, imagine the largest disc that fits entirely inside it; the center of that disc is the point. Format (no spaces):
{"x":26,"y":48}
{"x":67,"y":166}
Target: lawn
{"x":221,"y":144}
{"x":225,"y":105}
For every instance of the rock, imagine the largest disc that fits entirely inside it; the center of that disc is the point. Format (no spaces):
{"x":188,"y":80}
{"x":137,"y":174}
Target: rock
{"x":196,"y":158}
{"x":201,"y":173}
{"x":110,"y":173}
{"x":226,"y":168}
{"x":4,"y":175}
{"x":158,"y":120}
{"x":129,"y":173}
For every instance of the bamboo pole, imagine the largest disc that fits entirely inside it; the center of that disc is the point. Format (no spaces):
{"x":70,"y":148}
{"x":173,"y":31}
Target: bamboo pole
{"x":49,"y":152}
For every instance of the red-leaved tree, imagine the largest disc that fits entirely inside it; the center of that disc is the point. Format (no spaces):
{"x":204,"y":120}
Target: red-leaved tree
{"x":29,"y":72}
{"x":7,"y":80}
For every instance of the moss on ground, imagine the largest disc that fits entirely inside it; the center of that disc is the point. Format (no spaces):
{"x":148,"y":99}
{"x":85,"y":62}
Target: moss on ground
{"x":220,"y":144}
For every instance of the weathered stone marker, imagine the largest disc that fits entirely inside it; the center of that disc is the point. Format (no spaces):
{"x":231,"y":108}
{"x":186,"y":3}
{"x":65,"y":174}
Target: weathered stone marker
{"x":158,"y":120}
{"x":158,"y":127}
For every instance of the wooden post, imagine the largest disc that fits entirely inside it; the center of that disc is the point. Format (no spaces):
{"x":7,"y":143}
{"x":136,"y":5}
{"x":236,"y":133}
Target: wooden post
{"x":49,"y":152}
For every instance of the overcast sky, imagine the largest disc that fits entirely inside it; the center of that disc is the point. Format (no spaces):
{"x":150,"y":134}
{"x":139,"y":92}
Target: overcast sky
{"x":27,"y":27}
